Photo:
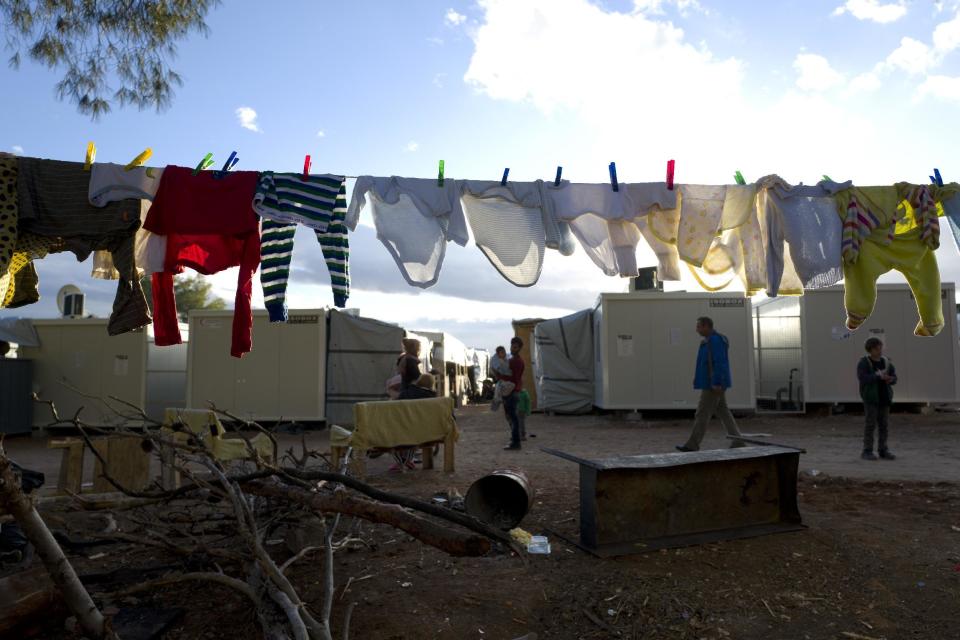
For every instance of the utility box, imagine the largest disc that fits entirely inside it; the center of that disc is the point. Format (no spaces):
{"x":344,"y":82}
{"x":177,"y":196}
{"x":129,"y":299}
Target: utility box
{"x":283,"y":377}
{"x":16,"y":400}
{"x":79,"y":365}
{"x":824,"y":354}
{"x":646,"y":348}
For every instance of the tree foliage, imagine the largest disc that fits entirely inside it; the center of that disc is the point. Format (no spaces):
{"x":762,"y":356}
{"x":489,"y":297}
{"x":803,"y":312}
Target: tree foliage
{"x":190,"y":292}
{"x":102,"y":44}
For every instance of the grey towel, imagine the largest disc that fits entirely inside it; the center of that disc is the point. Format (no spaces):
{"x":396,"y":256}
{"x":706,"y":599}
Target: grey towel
{"x":52,"y":198}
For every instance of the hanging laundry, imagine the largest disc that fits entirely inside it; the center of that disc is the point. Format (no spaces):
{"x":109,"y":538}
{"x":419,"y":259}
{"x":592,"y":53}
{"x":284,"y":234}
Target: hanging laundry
{"x":53,"y":203}
{"x":668,"y":261}
{"x":604,"y":220}
{"x":210,"y":226}
{"x":872,"y":247}
{"x":276,"y":251}
{"x":19,"y":285}
{"x":805,"y":218}
{"x":512,"y":224}
{"x":415,"y":219}
{"x":701,"y":215}
{"x":287,"y":197}
{"x":738,"y":205}
{"x":949,"y":204}
{"x":8,"y":215}
{"x":112,"y":183}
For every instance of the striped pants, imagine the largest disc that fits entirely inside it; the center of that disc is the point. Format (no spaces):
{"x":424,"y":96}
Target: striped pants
{"x":276,"y":249}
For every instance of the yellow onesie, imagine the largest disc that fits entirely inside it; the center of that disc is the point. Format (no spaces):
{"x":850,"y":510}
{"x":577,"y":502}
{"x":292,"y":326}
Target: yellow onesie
{"x":911,"y":257}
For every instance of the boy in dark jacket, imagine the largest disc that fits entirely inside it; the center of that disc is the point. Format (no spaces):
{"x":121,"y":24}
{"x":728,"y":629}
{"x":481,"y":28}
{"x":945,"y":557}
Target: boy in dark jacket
{"x":877,"y":376}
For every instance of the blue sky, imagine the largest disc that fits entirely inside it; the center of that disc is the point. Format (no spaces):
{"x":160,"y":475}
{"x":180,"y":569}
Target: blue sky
{"x":862,"y":89}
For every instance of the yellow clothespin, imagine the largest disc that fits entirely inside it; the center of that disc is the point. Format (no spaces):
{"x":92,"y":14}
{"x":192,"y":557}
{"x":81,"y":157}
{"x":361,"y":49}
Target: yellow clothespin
{"x":91,"y":156}
{"x":140,"y":159}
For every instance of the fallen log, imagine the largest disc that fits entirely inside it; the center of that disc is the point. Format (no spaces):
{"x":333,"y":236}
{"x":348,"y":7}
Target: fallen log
{"x":455,"y":543}
{"x":27,"y":599}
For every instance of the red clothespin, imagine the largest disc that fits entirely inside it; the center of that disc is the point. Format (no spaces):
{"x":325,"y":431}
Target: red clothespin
{"x":670,"y":166}
{"x":306,"y":168}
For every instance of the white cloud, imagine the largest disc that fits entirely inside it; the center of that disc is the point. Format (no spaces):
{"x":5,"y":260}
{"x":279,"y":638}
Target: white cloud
{"x":942,"y":87}
{"x":321,"y":133}
{"x":865,"y":83}
{"x":873,"y":10}
{"x":454,"y":19}
{"x":946,"y":35}
{"x":912,"y":56}
{"x":815,"y":73}
{"x":17,"y":149}
{"x":438,"y":80}
{"x":412,"y":146}
{"x":655,"y":7}
{"x":247,"y":118}
{"x":435,"y":41}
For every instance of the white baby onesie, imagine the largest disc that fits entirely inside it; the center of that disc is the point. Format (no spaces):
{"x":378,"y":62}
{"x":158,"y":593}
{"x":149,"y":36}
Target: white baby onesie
{"x":415,"y":218}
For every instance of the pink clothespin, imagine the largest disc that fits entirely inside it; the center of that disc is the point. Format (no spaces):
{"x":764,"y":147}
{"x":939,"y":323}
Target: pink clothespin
{"x":670,"y":165}
{"x":306,"y":168}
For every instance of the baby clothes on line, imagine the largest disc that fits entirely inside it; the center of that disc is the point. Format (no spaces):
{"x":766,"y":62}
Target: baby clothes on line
{"x":288,"y":198}
{"x":414,"y":218}
{"x":512,"y":224}
{"x":210,"y":226}
{"x":53,"y":202}
{"x":701,"y":215}
{"x":8,"y":216}
{"x":805,"y":218}
{"x":604,"y":220}
{"x":276,"y":252}
{"x":947,"y":197}
{"x":19,"y":285}
{"x":868,"y":213}
{"x":912,"y":258}
{"x":111,"y":183}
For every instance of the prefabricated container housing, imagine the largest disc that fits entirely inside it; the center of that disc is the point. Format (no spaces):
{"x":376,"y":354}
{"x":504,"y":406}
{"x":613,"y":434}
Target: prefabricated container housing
{"x":805,"y":354}
{"x":283,"y":377}
{"x":451,"y":359}
{"x":646,"y":348}
{"x":79,"y":365}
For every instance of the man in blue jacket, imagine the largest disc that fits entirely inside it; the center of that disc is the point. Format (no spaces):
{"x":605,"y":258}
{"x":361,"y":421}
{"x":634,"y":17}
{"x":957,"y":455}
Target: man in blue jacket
{"x":712,"y":378}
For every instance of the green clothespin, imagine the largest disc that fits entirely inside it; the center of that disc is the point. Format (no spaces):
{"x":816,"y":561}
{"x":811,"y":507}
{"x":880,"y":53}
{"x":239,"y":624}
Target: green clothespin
{"x":827,"y":178}
{"x":738,"y":178}
{"x":206,"y":162}
{"x":440,"y":175}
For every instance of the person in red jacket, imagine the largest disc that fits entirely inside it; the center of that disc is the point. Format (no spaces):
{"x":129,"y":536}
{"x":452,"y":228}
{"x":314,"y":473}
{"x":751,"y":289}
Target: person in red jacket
{"x":510,"y":401}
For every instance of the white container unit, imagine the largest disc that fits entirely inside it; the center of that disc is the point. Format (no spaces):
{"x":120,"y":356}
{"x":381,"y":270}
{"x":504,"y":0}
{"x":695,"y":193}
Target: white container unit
{"x":284,"y":376}
{"x":646,"y":348}
{"x":928,"y":368}
{"x":79,"y":365}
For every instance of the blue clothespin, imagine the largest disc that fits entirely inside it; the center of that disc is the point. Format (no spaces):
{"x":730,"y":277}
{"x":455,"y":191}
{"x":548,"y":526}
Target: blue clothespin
{"x":613,"y":176}
{"x":229,"y":164}
{"x":503,"y":180}
{"x":556,"y":182}
{"x":936,"y":178}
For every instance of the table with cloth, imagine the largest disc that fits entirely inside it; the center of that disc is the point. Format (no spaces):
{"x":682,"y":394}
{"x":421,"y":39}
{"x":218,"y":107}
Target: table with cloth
{"x":399,"y":423}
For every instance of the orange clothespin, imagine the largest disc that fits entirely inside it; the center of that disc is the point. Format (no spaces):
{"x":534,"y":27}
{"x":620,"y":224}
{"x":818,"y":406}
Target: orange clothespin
{"x":91,"y":156}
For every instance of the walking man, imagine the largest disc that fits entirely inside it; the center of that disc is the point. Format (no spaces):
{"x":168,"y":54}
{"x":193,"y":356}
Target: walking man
{"x":877,"y":376}
{"x":511,"y":400}
{"x":712,"y":378}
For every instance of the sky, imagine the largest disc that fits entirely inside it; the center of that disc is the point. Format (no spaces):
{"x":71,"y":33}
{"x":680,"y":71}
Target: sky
{"x":867,"y":90}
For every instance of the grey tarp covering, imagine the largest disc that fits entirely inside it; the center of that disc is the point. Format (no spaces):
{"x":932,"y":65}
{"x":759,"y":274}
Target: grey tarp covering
{"x":20,"y":331}
{"x":361,"y":355}
{"x":563,"y":363}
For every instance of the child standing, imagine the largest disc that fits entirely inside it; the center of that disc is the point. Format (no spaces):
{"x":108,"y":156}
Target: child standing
{"x":877,"y":376}
{"x":500,"y":366}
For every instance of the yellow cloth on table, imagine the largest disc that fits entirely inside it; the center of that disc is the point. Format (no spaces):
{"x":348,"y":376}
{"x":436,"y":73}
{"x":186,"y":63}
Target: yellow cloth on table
{"x":204,"y":425}
{"x":400,"y":423}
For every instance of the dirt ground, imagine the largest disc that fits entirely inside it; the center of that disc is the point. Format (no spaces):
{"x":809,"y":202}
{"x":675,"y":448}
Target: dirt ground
{"x":880,"y":559}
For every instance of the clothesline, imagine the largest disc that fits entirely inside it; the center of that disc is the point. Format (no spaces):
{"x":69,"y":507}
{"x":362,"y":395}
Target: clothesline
{"x":769,"y":235}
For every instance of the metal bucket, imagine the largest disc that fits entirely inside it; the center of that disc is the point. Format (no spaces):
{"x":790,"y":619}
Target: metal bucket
{"x":501,"y":499}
